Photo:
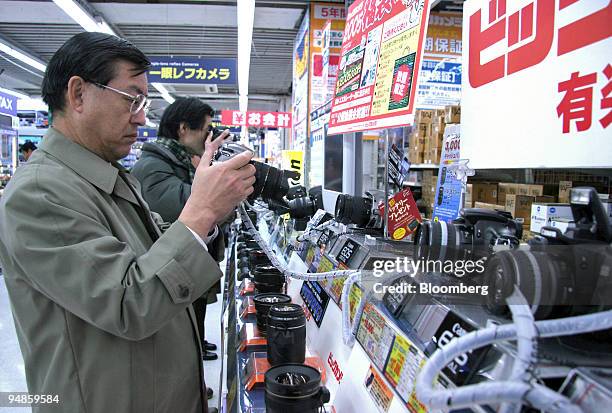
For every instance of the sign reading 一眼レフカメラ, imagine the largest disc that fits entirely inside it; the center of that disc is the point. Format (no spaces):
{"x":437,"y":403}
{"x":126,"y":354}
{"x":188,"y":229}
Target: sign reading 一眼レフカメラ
{"x":191,"y":69}
{"x":537,"y":84}
{"x":381,"y":58}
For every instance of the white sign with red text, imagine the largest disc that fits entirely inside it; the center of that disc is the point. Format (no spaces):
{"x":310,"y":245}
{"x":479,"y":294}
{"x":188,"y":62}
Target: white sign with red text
{"x":537,"y":83}
{"x":256,"y":119}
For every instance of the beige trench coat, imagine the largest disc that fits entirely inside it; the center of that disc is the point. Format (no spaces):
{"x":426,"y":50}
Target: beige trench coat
{"x":103,"y":314}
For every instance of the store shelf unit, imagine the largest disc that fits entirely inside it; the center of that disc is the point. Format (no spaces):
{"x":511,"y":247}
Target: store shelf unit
{"x":391,"y":346}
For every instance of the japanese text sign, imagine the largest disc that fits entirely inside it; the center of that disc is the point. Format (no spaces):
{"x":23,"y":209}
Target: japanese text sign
{"x":380,"y":63}
{"x":548,"y":63}
{"x":449,"y":189}
{"x":256,"y":119}
{"x":8,"y":104}
{"x":190,"y":69}
{"x":404,"y":215}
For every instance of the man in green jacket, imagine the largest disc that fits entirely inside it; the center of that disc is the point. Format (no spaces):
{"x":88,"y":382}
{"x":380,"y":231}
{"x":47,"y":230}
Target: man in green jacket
{"x":166,"y":169}
{"x":101,"y":298}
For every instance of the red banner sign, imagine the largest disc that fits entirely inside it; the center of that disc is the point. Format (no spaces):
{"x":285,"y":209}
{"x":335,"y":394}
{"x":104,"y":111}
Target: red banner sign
{"x":378,"y":72}
{"x":261,"y":119}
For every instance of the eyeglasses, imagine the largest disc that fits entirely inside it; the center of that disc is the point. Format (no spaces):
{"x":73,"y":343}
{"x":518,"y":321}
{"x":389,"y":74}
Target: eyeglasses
{"x":139,"y":102}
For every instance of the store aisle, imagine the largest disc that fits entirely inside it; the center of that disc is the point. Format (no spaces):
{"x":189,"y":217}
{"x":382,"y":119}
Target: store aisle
{"x":12,"y":371}
{"x":212,"y":368}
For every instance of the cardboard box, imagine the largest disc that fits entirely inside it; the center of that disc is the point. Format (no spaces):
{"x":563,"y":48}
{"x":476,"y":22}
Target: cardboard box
{"x":504,"y":189}
{"x":423,"y":116}
{"x":520,"y":208}
{"x":452,"y":114}
{"x":422,"y":129}
{"x":563,"y":224}
{"x":440,"y":114}
{"x":564,"y":191}
{"x":483,"y":192}
{"x":546,"y":199}
{"x":543,"y":214}
{"x":535,"y":190}
{"x":486,"y":205}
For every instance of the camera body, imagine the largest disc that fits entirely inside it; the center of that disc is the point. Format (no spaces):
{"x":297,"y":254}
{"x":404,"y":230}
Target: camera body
{"x":475,"y":234}
{"x":270,"y":183}
{"x":561,"y":274}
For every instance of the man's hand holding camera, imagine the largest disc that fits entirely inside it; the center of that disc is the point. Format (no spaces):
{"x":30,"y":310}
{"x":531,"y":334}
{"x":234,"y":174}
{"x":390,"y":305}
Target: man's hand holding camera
{"x":217,"y":189}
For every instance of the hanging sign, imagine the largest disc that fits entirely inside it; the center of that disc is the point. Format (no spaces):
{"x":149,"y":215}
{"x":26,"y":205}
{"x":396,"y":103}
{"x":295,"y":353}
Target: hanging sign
{"x":379,"y":67}
{"x":256,"y":119}
{"x":447,"y":202}
{"x":537,"y":84}
{"x":192,"y":69}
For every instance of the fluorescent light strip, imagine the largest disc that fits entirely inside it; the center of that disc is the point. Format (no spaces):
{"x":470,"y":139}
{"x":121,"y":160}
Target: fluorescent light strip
{"x":164,"y":92}
{"x":246,"y":15}
{"x":22,"y":57}
{"x":76,"y":12}
{"x":14,"y":93}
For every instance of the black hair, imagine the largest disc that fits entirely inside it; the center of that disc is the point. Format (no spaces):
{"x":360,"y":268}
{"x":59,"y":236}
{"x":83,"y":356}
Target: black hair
{"x":190,"y":110}
{"x":27,"y":146}
{"x":91,"y":56}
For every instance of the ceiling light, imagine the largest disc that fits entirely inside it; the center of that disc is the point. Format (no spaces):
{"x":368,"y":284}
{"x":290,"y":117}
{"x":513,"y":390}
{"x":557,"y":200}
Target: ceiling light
{"x":164,"y":92}
{"x":11,"y":51}
{"x":82,"y":17}
{"x":246,"y":15}
{"x":14,"y":93}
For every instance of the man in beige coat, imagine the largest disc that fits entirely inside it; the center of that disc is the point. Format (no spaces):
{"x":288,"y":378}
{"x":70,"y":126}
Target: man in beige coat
{"x":101,"y":298}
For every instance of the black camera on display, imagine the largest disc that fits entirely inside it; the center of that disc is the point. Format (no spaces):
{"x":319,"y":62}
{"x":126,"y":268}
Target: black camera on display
{"x":561,"y":274}
{"x":361,"y":211}
{"x":270,"y":183}
{"x":299,"y":204}
{"x":475,"y":234}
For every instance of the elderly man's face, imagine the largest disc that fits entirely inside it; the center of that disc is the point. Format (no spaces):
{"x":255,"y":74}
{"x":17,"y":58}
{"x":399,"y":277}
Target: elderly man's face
{"x":112,"y":129}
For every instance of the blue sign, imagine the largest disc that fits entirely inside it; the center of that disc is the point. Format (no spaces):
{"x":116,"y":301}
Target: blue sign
{"x":8,"y":104}
{"x":441,"y":72}
{"x":194,"y":70}
{"x":447,"y":200}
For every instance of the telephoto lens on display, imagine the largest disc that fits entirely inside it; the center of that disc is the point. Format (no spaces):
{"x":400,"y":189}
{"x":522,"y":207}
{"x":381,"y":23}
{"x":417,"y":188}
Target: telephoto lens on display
{"x":263,"y":302}
{"x":361,"y":211}
{"x":294,"y":388}
{"x":268,"y":279}
{"x":286,"y":334}
{"x":270,"y":182}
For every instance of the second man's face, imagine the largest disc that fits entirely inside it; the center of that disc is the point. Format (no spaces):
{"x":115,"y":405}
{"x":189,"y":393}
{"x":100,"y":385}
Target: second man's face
{"x":194,"y":139}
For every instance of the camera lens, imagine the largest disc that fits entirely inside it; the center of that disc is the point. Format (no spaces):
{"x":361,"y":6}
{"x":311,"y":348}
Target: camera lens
{"x":301,"y":207}
{"x":286,"y":334}
{"x":268,"y":279}
{"x":258,"y":257}
{"x":294,"y":388}
{"x":263,"y":302}
{"x":353,"y":209}
{"x":546,"y":283}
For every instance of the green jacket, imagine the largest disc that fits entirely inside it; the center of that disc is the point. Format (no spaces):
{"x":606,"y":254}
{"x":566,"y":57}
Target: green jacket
{"x":166,"y":186}
{"x":102,"y":313}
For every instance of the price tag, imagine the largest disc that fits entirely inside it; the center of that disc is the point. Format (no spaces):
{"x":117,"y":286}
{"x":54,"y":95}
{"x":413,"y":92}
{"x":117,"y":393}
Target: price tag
{"x":347,"y":252}
{"x":324,"y":238}
{"x":316,"y":300}
{"x":399,"y":353}
{"x":375,"y":336}
{"x":355,"y":295}
{"x":325,"y":265}
{"x":395,"y":301}
{"x":378,"y":390}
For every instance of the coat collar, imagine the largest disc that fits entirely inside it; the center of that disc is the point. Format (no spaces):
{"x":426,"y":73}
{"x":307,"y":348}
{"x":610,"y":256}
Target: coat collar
{"x":95,"y":170}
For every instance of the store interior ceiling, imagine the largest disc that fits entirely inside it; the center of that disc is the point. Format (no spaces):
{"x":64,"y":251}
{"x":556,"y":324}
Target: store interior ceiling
{"x":166,"y":27}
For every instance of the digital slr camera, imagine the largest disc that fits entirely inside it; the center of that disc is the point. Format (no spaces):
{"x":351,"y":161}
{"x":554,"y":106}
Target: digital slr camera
{"x":270,"y":183}
{"x":561,"y":274}
{"x":475,"y":234}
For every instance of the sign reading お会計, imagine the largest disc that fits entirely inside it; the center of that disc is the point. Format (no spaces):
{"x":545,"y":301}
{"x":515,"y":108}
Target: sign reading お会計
{"x":378,"y":71}
{"x":537,"y":83}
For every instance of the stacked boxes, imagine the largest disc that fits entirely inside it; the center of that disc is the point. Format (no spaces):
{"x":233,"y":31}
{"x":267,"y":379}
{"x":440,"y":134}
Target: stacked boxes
{"x":564,"y":191}
{"x":452,"y":114}
{"x":430,"y":180}
{"x":425,"y":142}
{"x":520,"y":208}
{"x":484,"y":192}
{"x":469,"y":200}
